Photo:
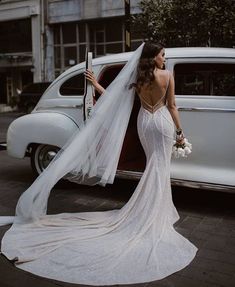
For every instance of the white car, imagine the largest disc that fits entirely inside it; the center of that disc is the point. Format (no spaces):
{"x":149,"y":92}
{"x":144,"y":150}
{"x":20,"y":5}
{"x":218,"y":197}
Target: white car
{"x":205,"y":96}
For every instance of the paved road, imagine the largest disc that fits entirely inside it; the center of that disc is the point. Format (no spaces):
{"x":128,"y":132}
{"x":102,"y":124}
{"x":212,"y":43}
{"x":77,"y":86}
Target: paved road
{"x":206,"y":218}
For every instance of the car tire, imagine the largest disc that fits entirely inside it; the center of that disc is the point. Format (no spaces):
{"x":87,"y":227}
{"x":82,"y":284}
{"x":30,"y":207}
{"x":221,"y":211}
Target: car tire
{"x":41,"y":156}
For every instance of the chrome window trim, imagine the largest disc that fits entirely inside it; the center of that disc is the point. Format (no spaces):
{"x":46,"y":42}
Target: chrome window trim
{"x":59,"y":107}
{"x":179,"y":108}
{"x":199,"y":60}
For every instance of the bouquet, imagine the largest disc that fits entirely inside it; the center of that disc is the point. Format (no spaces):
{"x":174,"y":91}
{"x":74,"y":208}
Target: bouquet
{"x":181,"y":150}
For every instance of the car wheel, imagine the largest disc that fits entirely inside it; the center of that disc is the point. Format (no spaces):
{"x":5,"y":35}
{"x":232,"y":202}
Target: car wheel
{"x":41,"y":156}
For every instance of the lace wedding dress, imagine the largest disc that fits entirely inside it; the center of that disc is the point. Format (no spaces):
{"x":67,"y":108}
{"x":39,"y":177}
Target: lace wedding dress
{"x":134,"y":244}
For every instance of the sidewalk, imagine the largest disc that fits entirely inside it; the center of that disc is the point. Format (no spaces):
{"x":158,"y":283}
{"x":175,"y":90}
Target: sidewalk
{"x":207,"y":219}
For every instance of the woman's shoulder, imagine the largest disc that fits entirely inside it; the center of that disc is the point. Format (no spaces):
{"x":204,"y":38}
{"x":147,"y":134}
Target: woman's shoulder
{"x":165,"y":74}
{"x":169,"y":74}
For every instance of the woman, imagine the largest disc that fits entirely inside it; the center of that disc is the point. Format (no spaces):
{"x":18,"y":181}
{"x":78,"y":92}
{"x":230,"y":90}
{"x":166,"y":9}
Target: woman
{"x":136,"y":243}
{"x":151,"y":83}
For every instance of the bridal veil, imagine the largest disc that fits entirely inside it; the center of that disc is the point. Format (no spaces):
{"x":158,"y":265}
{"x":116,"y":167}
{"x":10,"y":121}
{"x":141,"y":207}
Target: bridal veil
{"x":91,"y":155}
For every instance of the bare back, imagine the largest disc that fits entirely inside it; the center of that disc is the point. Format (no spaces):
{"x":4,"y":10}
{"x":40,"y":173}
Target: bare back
{"x":153,"y":97}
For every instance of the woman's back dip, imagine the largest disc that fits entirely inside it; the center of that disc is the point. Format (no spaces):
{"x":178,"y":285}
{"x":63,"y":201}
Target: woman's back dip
{"x":154,"y":96}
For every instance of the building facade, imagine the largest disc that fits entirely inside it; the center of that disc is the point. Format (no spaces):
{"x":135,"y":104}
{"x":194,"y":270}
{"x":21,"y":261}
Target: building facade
{"x":39,"y":39}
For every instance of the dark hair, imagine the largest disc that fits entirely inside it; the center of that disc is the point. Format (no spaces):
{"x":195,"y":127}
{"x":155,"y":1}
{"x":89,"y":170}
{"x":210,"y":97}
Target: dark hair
{"x":146,"y":64}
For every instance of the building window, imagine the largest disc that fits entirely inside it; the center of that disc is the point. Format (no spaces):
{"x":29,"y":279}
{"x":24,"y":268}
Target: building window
{"x":106,"y":37}
{"x":100,"y":37}
{"x":70,"y":41}
{"x":15,"y":36}
{"x":65,"y":46}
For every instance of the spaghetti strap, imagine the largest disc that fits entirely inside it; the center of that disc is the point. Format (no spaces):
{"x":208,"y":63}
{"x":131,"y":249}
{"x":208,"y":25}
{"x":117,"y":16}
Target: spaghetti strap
{"x":167,"y":86}
{"x":168,"y":72}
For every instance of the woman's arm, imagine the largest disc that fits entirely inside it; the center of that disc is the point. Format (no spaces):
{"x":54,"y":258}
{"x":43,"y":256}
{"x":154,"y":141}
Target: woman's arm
{"x":90,"y":76}
{"x":171,"y":105}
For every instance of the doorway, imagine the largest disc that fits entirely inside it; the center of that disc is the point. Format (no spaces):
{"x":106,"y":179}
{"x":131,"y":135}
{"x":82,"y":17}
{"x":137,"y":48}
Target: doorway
{"x":3,"y":88}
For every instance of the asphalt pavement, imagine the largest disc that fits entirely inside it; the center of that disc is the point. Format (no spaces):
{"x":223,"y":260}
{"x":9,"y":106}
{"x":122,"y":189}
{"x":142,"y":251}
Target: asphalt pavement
{"x":207,"y":218}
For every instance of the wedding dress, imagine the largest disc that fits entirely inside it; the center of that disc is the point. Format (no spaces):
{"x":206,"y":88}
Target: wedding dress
{"x":134,"y":244}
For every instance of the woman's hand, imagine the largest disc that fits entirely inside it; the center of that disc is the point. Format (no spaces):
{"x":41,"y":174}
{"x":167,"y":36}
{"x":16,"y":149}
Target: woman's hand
{"x":90,"y":77}
{"x":180,"y":141}
{"x":179,"y":136}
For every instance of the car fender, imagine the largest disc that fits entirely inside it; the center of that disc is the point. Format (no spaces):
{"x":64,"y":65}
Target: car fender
{"x":42,"y":128}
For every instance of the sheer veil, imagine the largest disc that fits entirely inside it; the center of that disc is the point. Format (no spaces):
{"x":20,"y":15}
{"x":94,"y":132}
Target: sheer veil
{"x":92,"y":154}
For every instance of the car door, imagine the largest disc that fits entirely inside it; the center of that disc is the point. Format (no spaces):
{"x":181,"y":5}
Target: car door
{"x":132,"y":158}
{"x":205,"y":96}
{"x":88,"y":100}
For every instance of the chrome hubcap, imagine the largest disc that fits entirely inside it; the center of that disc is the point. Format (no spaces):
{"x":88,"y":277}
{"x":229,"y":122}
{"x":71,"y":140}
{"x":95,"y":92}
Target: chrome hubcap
{"x":44,"y":156}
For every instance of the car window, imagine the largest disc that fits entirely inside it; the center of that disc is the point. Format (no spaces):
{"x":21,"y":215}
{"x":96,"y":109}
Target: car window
{"x":74,"y":86}
{"x":205,"y":79}
{"x":108,"y":74}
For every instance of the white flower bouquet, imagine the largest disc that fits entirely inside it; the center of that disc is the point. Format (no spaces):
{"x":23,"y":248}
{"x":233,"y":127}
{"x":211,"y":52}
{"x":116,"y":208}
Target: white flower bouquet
{"x":181,"y":150}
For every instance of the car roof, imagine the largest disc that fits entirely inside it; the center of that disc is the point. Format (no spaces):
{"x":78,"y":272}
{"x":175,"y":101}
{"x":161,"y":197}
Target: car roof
{"x":200,"y":52}
{"x":178,"y":52}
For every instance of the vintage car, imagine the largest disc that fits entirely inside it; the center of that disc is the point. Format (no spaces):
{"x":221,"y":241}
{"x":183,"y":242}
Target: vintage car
{"x":205,"y":96}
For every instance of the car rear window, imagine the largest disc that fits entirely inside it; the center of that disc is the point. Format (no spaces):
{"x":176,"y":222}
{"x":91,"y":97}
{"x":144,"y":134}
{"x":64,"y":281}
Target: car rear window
{"x":213,"y":79}
{"x":73,"y":86}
